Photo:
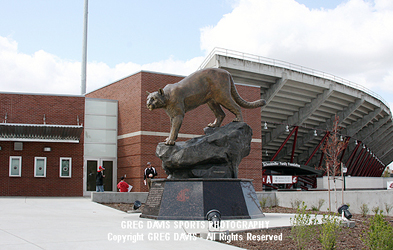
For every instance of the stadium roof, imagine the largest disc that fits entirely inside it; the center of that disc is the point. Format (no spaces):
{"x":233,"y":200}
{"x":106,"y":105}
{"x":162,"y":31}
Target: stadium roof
{"x":303,"y":102}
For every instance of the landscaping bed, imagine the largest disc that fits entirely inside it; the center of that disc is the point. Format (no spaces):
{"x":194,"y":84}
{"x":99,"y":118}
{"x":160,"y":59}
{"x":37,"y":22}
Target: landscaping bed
{"x":348,"y":238}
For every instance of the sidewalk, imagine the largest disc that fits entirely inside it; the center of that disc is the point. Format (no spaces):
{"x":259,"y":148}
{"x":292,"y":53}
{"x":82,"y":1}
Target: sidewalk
{"x":78,"y":223}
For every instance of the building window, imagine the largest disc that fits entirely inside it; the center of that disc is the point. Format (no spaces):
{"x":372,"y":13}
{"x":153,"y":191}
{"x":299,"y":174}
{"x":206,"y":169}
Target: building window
{"x":65,"y":167}
{"x":39,"y":166}
{"x":15,"y":166}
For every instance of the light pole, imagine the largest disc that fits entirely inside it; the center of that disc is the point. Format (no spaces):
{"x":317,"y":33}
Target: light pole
{"x":84,"y":50}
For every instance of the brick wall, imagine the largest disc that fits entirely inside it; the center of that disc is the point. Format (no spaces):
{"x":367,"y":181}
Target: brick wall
{"x":30,"y":109}
{"x":134,"y":152}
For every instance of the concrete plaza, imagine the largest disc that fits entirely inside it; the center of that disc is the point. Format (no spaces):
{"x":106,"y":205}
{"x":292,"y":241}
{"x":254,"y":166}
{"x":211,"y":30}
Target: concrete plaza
{"x":79,"y":223}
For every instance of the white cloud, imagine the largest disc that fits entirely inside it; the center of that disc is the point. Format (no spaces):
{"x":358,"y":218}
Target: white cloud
{"x":43,"y":72}
{"x":100,"y":74}
{"x":173,"y":66}
{"x":39,"y":73}
{"x":353,"y":41}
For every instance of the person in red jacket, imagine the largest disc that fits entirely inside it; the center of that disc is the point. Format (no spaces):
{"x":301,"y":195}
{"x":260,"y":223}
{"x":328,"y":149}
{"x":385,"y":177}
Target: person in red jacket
{"x":122,"y":185}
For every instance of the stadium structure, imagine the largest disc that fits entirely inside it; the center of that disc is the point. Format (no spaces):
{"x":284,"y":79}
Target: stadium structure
{"x":301,"y":107}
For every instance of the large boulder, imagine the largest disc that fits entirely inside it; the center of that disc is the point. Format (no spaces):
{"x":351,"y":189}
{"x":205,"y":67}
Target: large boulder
{"x":217,"y":154}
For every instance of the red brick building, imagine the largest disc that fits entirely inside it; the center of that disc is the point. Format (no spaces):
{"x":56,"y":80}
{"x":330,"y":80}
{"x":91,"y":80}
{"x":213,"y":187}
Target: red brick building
{"x":51,"y":145}
{"x":41,"y":144}
{"x":140,"y":130}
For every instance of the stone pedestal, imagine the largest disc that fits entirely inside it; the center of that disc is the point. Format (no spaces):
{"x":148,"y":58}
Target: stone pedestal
{"x":217,"y":154}
{"x":191,"y":199}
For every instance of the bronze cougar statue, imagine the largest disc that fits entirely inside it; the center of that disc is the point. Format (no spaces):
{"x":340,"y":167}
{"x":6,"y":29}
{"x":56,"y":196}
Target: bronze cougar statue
{"x":212,"y":86}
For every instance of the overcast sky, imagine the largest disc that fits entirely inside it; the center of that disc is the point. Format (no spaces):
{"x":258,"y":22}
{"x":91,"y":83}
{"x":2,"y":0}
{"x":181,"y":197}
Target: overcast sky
{"x":41,"y":40}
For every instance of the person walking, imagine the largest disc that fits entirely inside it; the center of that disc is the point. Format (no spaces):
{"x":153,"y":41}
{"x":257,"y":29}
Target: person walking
{"x":100,"y":180}
{"x":149,"y":174}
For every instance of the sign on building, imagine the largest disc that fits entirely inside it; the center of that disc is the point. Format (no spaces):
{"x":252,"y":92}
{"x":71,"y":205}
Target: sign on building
{"x":279,"y":179}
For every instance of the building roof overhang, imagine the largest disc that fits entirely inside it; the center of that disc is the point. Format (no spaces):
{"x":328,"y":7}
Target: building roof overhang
{"x":40,"y":132}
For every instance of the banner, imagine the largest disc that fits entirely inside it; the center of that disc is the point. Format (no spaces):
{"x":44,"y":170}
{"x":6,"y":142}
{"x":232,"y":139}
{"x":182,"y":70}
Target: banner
{"x":279,"y":179}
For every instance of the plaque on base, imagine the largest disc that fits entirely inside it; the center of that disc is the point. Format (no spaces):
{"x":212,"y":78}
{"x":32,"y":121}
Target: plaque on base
{"x":192,"y":199}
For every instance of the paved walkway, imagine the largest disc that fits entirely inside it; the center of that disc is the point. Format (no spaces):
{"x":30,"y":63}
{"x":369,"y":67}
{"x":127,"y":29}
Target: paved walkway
{"x":78,"y":223}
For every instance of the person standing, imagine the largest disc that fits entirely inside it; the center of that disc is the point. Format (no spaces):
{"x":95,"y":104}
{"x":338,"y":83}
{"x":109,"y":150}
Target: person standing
{"x":149,"y":174}
{"x":100,"y":180}
{"x":122,"y":185}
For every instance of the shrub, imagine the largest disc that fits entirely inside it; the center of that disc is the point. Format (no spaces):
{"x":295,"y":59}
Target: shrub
{"x":296,"y":203}
{"x":388,"y":207}
{"x":364,"y":210}
{"x":380,"y":234}
{"x":303,"y":227}
{"x":318,"y":207}
{"x":320,"y":203}
{"x":263,"y":202}
{"x":329,"y":231}
{"x":376,"y":210}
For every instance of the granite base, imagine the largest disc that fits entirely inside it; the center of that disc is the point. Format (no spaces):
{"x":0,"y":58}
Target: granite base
{"x":192,"y":199}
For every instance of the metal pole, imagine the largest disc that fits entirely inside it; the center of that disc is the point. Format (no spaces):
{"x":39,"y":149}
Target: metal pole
{"x":294,"y":144}
{"x":343,"y":184}
{"x":84,"y":50}
{"x":317,"y":147}
{"x":282,"y":145}
{"x":350,"y":159}
{"x":328,"y":177}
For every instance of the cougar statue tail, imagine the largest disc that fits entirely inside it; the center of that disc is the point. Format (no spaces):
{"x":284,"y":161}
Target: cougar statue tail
{"x":214,"y":87}
{"x":243,"y":103}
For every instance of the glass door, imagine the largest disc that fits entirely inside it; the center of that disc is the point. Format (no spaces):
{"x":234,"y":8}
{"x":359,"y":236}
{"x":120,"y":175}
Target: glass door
{"x":92,"y":166}
{"x":108,"y":172}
